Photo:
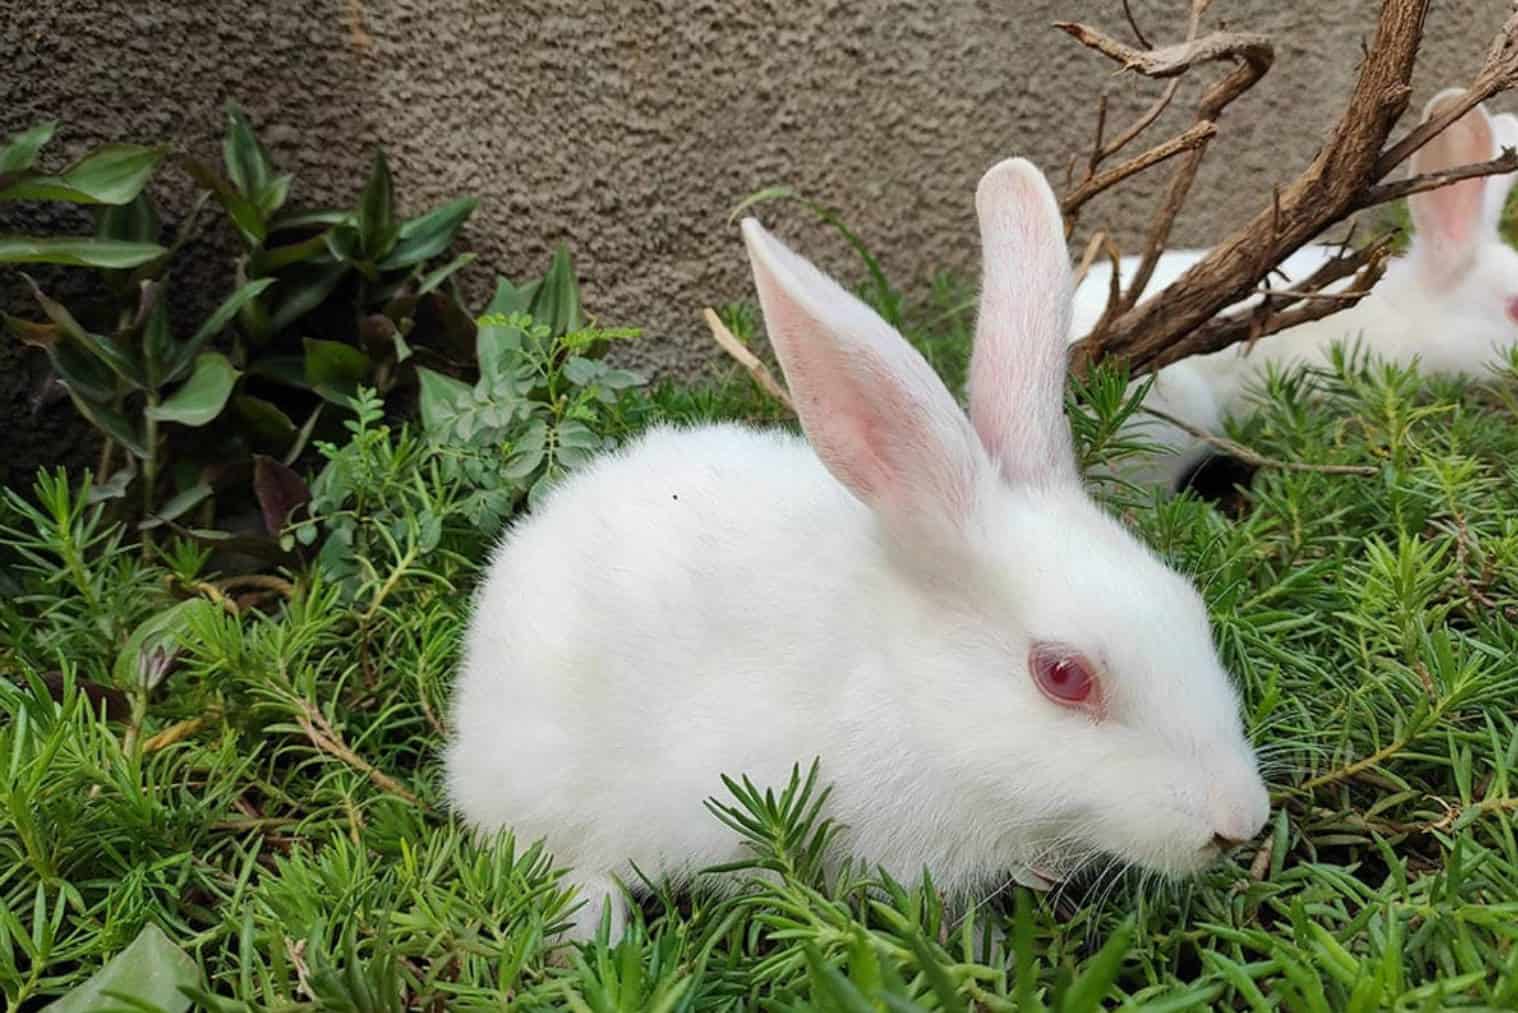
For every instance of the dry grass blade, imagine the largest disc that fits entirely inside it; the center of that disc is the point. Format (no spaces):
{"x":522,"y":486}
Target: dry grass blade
{"x":735,"y":348}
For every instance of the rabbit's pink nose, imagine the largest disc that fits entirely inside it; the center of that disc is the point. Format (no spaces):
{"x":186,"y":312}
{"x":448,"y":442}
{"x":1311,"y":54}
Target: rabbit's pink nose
{"x":1239,"y":814}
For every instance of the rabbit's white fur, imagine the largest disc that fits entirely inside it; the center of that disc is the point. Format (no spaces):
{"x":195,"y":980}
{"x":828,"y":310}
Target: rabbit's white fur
{"x":1448,"y":303}
{"x":726,"y":600}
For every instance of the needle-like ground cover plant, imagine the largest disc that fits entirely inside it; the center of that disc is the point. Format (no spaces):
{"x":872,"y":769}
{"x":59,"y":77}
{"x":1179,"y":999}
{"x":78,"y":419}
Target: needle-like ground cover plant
{"x":224,"y":794}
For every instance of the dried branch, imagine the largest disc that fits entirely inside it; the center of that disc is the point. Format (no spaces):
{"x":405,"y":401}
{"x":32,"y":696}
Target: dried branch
{"x":1093,"y":247}
{"x":1113,"y":282}
{"x":1499,"y":72}
{"x":1366,"y":265}
{"x":1252,"y":55}
{"x":1505,"y":163}
{"x":1145,"y":119}
{"x":1198,"y":7}
{"x":1138,"y":33}
{"x":1172,"y":61}
{"x":1342,"y":179}
{"x":1195,"y":136}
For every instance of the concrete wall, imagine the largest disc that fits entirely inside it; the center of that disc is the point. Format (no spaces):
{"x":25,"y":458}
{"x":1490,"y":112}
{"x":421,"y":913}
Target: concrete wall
{"x":630,"y":129}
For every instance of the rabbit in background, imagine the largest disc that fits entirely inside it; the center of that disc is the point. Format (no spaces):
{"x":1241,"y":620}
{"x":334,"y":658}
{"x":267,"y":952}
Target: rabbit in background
{"x":998,"y":677}
{"x":1450,"y":302}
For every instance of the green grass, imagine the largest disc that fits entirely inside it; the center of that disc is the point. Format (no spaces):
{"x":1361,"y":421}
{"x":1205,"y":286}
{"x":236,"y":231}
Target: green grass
{"x":274,"y":806}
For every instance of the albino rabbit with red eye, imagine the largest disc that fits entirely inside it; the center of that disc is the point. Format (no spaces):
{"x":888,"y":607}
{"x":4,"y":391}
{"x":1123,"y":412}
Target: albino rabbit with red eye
{"x":1451,"y":302}
{"x":999,"y":679}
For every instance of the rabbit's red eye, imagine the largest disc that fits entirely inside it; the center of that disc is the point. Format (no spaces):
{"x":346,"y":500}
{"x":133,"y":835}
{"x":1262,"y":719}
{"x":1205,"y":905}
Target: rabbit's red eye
{"x":1064,"y":676}
{"x":1512,"y":308}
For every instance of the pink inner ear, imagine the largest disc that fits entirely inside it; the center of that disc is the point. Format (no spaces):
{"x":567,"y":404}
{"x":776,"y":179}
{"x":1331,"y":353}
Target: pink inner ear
{"x":1451,"y":217}
{"x":1017,"y":371}
{"x":1512,"y":308}
{"x":874,"y":411}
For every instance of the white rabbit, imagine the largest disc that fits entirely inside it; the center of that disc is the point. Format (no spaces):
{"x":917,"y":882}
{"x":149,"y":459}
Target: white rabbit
{"x":998,"y":678}
{"x":1451,"y":301}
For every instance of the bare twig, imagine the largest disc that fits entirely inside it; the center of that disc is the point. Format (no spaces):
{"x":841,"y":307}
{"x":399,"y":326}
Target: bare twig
{"x":1254,"y":458}
{"x":1113,"y":289}
{"x":1142,"y":123}
{"x":1093,"y":247}
{"x":1194,"y":136}
{"x":1096,"y":142}
{"x":1172,"y":61}
{"x":1498,"y":73}
{"x":324,"y":737}
{"x":1366,"y":265}
{"x":1253,"y":52}
{"x":1252,"y":55}
{"x":1138,"y":33}
{"x":178,"y":732}
{"x":1504,"y":163}
{"x":756,"y":369}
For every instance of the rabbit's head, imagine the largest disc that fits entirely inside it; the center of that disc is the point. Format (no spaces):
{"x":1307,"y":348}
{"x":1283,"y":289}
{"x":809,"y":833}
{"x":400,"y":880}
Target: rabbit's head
{"x":1463,"y":288}
{"x":1056,"y":672}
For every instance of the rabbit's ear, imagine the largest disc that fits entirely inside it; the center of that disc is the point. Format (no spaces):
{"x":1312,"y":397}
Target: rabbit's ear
{"x":1449,"y":222}
{"x":1504,"y":135}
{"x":877,"y":415}
{"x":1017,"y":371}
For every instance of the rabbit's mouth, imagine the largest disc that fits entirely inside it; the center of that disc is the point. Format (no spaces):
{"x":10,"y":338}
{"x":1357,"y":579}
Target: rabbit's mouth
{"x":1050,"y":877}
{"x":1039,"y":877}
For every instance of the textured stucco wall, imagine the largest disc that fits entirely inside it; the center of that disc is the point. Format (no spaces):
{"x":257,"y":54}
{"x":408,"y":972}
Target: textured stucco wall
{"x":629,"y":129}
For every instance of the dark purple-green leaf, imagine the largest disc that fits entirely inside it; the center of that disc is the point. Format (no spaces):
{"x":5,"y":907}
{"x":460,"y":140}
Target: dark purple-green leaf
{"x":280,"y":491}
{"x":117,"y":707}
{"x":264,"y":422}
{"x":442,"y":274}
{"x":178,"y":506}
{"x":334,"y":369}
{"x":134,"y":222}
{"x":556,"y":303}
{"x":157,"y":339}
{"x":273,"y":196}
{"x":120,"y":361}
{"x":304,"y":436}
{"x":78,"y":370}
{"x":304,"y":292}
{"x":270,"y":260}
{"x":323,"y":217}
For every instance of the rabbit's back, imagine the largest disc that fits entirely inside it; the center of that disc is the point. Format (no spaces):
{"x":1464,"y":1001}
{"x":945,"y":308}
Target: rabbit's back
{"x":653,"y":625}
